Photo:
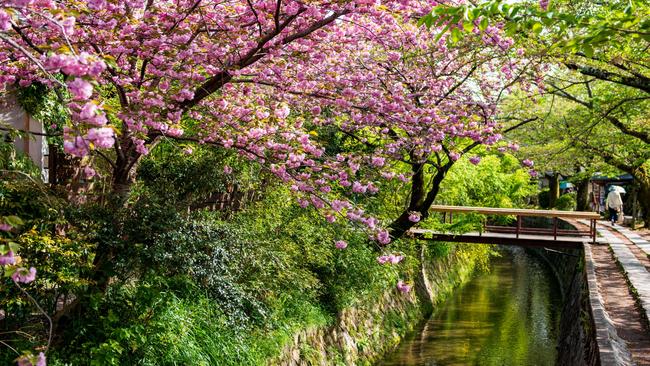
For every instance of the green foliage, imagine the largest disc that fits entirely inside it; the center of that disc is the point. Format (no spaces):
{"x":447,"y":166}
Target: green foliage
{"x":16,"y":161}
{"x":44,"y":104}
{"x":544,"y":198}
{"x":573,"y":30}
{"x":60,"y":254}
{"x":566,"y":202}
{"x":180,"y":179}
{"x":205,"y":287}
{"x":495,"y":182}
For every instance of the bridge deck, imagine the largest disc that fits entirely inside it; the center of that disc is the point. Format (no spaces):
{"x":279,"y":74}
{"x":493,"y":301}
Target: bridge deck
{"x":526,"y":240}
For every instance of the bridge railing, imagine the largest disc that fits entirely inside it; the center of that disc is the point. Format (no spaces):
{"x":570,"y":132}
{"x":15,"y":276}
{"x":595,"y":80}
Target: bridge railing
{"x":555,"y":216}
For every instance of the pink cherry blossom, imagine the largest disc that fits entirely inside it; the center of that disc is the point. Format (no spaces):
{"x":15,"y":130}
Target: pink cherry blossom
{"x":341,"y":244}
{"x":414,"y":216}
{"x":403,"y":287}
{"x":5,"y":227}
{"x":26,"y":361}
{"x":282,"y":111}
{"x":5,"y":21}
{"x":7,"y":258}
{"x":89,"y":172}
{"x":475,"y":160}
{"x":80,"y":89}
{"x":227,"y":170}
{"x":22,"y":275}
{"x":383,"y":237}
{"x":88,"y":111}
{"x":543,"y":4}
{"x":368,"y":72}
{"x":394,"y":259}
{"x":378,"y":161}
{"x":102,"y":137}
{"x":96,"y":4}
{"x":527,"y":163}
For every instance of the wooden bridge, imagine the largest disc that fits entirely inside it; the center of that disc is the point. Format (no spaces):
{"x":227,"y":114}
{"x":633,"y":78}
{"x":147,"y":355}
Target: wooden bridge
{"x":521,"y":235}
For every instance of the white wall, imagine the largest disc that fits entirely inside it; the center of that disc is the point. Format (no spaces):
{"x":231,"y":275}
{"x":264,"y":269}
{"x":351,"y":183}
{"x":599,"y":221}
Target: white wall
{"x":11,"y":114}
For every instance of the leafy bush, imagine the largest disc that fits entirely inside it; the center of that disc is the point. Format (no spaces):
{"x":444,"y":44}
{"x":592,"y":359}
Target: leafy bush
{"x":566,"y":202}
{"x":544,"y":198}
{"x":47,"y":242}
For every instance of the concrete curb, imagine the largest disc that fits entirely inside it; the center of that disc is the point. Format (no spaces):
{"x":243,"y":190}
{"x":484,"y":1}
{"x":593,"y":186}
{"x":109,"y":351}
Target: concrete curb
{"x":635,"y":238}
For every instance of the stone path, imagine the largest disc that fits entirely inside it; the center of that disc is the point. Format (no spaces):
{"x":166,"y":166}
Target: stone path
{"x":635,"y":238}
{"x":622,"y":301}
{"x":611,"y":347}
{"x":635,"y":271}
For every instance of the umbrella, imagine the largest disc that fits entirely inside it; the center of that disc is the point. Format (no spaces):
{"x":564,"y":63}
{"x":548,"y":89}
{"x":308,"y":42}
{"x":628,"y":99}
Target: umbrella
{"x":618,"y":189}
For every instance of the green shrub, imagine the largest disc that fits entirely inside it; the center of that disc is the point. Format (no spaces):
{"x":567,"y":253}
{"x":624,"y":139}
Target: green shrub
{"x":566,"y":202}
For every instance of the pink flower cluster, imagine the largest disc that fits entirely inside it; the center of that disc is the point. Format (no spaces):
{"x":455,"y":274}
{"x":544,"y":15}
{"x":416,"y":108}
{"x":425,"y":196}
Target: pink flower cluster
{"x":24,"y":275}
{"x":390,"y":259}
{"x":32,"y":361}
{"x":414,"y":216}
{"x":7,"y":258}
{"x":403,"y":287}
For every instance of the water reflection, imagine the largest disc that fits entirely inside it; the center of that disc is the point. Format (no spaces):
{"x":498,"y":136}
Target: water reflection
{"x":508,"y":316}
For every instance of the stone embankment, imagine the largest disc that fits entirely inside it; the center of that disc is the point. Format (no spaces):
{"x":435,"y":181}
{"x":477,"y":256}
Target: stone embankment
{"x":361,"y":335}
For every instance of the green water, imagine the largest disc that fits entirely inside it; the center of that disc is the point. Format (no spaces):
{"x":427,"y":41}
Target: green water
{"x":507,"y":316}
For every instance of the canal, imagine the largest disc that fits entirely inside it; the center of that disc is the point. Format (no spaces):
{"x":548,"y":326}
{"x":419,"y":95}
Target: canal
{"x":508,"y":315}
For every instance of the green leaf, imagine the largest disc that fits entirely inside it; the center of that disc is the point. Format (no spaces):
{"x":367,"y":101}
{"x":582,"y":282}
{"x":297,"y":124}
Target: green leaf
{"x":537,"y":28}
{"x":456,"y":35}
{"x":588,"y":50}
{"x":427,"y":19}
{"x":444,"y":30}
{"x":483,"y":24}
{"x":468,"y":26}
{"x":14,"y":247}
{"x":9,"y":271}
{"x":13,"y":220}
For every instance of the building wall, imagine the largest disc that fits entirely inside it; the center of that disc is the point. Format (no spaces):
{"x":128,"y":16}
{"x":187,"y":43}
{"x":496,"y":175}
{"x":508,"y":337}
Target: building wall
{"x":12,"y":115}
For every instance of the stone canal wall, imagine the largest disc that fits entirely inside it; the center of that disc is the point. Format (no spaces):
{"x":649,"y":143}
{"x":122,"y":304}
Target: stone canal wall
{"x":361,"y":335}
{"x":577,"y":336}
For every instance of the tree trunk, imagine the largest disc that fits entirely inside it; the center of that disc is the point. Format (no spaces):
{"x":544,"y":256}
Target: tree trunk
{"x":419,"y":202}
{"x":422,"y":286}
{"x":554,"y":189}
{"x":643,"y":198}
{"x":582,"y":197}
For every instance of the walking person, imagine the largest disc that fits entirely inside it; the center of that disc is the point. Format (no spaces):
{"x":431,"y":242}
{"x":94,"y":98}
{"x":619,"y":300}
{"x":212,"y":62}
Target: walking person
{"x":614,"y":204}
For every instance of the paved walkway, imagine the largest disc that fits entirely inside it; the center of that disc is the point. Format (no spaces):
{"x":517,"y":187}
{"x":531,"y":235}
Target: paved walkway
{"x":621,"y":303}
{"x":635,"y":238}
{"x":635,"y":271}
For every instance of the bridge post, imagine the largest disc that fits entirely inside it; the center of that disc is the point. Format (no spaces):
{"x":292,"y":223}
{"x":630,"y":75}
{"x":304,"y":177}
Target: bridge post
{"x":593,"y":231}
{"x":518,"y":225}
{"x":555,"y":228}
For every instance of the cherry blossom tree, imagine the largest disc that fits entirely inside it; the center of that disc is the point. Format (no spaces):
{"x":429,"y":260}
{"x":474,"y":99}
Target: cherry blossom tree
{"x":400,"y":92}
{"x":262,"y":77}
{"x":237,"y":69}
